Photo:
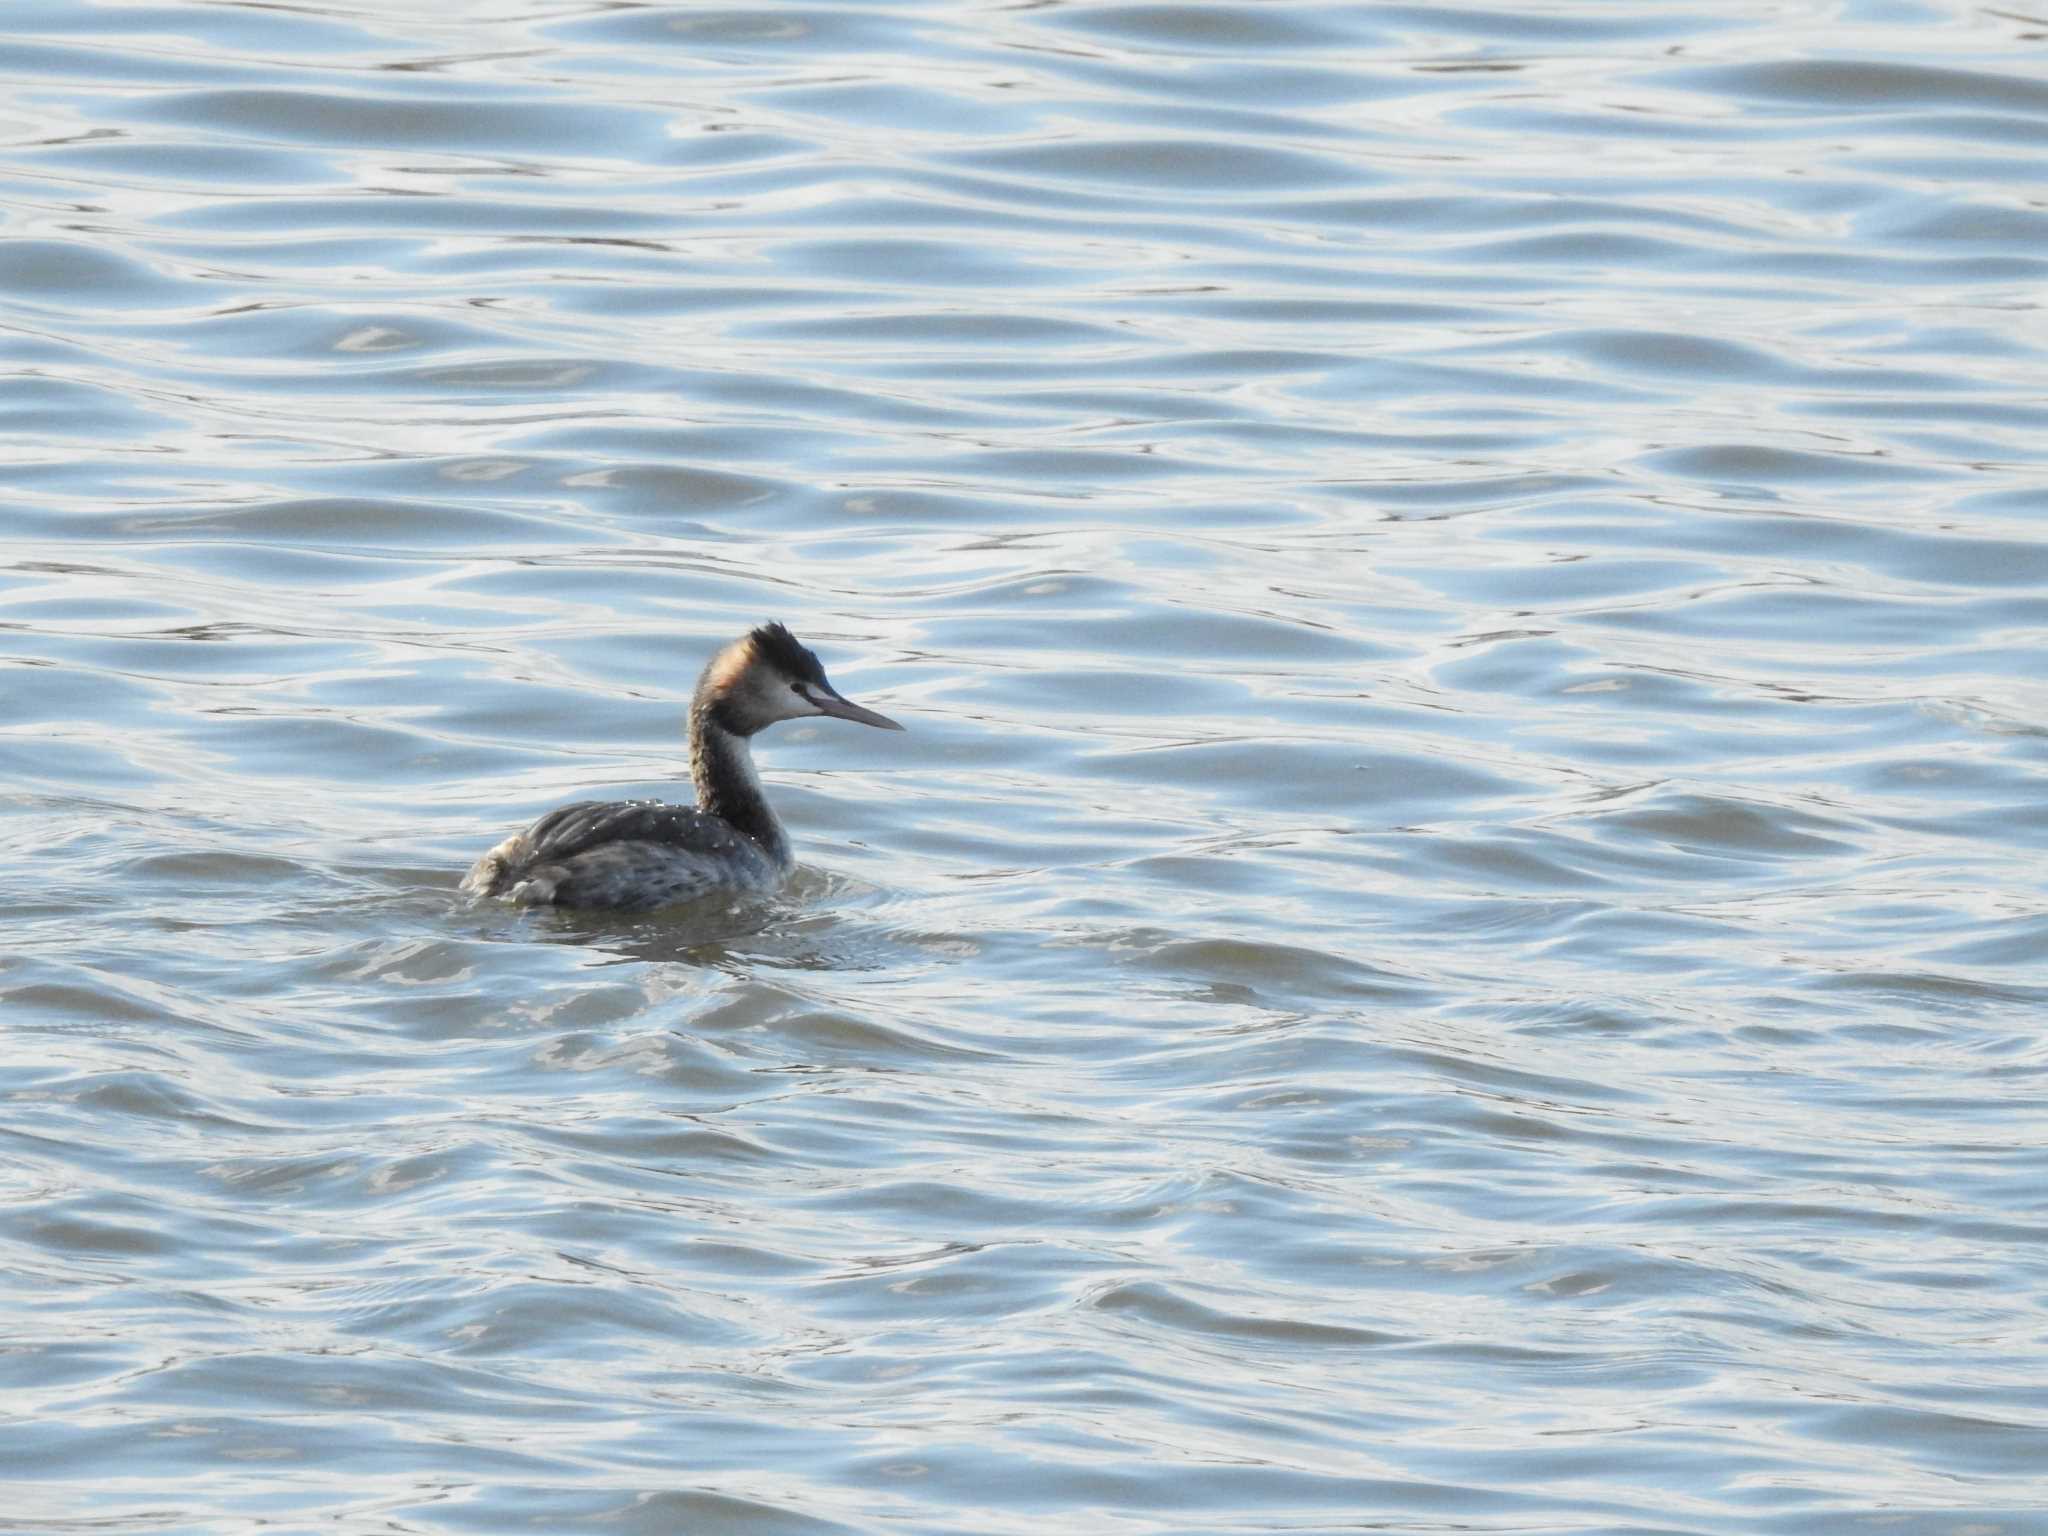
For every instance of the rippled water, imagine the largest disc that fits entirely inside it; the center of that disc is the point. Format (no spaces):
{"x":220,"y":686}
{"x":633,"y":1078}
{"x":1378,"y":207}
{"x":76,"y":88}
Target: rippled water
{"x":1456,"y":943}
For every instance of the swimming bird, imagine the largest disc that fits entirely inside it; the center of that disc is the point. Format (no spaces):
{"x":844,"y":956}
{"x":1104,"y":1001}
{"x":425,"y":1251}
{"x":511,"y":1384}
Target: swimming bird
{"x":633,"y":855}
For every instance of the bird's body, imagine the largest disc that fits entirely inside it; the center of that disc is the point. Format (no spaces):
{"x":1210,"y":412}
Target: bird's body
{"x":629,"y":855}
{"x":633,"y":855}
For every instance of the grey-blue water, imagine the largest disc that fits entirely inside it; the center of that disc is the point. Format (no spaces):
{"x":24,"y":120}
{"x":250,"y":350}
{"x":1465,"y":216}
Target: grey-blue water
{"x":1458,"y":940}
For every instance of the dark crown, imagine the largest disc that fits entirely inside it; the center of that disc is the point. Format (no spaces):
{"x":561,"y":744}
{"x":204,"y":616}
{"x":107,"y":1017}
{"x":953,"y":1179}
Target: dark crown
{"x":780,"y":649}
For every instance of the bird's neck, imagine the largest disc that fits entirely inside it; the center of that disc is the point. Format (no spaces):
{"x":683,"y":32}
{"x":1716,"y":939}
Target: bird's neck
{"x":722,"y":766}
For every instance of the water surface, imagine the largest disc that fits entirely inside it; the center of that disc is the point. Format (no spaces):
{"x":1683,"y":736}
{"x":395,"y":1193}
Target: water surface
{"x":1456,"y":941}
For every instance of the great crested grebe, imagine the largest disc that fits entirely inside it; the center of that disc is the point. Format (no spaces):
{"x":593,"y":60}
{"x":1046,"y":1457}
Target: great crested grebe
{"x":636,"y":854}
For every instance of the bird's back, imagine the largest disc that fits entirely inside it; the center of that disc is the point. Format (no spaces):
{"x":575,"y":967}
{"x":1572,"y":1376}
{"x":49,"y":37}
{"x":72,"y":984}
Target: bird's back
{"x":623,"y":854}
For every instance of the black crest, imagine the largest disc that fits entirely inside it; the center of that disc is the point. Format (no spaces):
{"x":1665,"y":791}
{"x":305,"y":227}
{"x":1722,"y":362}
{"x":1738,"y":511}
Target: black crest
{"x":782,"y":650}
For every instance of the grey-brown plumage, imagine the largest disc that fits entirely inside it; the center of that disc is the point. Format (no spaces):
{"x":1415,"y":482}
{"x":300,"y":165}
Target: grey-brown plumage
{"x":637,"y":854}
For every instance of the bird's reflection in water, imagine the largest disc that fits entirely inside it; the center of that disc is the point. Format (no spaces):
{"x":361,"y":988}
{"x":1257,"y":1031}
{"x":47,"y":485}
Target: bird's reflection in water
{"x":818,"y":921}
